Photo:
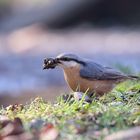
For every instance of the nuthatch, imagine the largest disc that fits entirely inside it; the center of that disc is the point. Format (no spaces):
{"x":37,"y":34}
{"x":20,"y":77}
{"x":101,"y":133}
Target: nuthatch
{"x":85,"y":75}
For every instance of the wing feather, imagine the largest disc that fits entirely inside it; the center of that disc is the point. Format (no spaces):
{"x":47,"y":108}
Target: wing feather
{"x":94,"y":71}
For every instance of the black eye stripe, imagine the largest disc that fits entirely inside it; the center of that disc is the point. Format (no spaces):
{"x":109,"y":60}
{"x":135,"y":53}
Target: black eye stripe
{"x":65,"y":59}
{"x":72,"y":59}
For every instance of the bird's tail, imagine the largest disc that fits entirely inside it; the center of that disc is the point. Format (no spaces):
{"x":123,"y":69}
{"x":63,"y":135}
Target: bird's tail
{"x":134,"y":77}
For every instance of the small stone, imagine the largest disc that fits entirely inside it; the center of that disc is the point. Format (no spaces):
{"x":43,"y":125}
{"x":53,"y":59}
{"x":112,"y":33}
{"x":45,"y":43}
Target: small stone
{"x":116,"y":103}
{"x":12,"y":128}
{"x":36,"y":124}
{"x":23,"y":136}
{"x":130,"y":134}
{"x":27,"y":136}
{"x":13,"y":137}
{"x":4,"y":121}
{"x":49,"y":132}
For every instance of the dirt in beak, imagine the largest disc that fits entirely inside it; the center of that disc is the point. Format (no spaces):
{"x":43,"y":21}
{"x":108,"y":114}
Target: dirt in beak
{"x":50,"y":63}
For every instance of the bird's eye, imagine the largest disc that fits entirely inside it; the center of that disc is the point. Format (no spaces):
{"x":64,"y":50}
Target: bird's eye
{"x":57,"y":59}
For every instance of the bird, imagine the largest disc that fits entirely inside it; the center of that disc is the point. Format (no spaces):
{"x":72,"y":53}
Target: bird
{"x":84,"y":75}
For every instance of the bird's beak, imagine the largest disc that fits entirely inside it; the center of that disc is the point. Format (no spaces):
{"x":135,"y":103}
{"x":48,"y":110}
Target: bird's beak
{"x":49,"y":63}
{"x":45,"y":66}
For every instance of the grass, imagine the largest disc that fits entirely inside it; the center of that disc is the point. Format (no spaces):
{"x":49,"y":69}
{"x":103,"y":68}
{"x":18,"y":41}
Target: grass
{"x":118,"y":110}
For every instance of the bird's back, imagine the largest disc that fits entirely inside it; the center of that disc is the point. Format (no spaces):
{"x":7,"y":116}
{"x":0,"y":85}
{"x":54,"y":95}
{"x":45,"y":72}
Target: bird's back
{"x":94,"y":71}
{"x":94,"y":78}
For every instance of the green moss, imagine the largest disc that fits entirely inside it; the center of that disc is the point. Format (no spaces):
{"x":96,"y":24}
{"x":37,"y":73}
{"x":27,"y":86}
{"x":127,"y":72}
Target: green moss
{"x":119,"y":109}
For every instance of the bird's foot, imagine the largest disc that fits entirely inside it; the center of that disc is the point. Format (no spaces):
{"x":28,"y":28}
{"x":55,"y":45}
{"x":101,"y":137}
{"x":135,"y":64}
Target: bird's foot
{"x":81,"y":96}
{"x":76,"y":96}
{"x":67,"y":97}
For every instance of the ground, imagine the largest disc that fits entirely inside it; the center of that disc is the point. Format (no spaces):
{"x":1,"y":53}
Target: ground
{"x":115,"y":111}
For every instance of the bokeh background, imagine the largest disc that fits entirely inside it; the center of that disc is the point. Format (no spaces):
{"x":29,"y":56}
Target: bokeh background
{"x":104,"y":30}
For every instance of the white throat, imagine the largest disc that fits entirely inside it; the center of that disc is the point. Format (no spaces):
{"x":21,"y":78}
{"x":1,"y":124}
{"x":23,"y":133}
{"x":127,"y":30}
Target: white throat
{"x":69,"y":64}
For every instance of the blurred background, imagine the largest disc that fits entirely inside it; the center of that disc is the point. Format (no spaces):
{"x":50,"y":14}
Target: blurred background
{"x":104,"y":30}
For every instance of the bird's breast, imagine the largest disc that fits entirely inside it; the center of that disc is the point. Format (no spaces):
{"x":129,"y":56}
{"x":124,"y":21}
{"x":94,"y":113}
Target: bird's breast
{"x":72,"y":77}
{"x":77,"y":83}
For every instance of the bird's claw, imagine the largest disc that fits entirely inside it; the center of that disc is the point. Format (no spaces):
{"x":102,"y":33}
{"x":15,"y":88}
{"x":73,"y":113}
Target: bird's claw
{"x":80,"y":95}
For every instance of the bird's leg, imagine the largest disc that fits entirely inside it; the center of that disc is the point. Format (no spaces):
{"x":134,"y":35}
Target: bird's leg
{"x":67,"y":97}
{"x":76,"y":96}
{"x":80,"y":95}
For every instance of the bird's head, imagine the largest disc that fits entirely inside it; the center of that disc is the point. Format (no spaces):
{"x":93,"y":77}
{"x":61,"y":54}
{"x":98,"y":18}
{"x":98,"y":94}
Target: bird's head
{"x":64,"y":60}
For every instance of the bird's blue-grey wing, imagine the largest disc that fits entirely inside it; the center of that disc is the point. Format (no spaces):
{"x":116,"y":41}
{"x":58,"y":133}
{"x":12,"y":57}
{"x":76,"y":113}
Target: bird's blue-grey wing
{"x":94,"y":71}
